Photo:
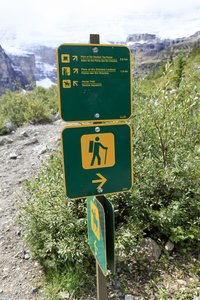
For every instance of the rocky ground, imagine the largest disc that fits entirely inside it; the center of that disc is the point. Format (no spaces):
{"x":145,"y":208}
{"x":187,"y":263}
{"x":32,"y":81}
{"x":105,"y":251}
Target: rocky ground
{"x":22,"y":153}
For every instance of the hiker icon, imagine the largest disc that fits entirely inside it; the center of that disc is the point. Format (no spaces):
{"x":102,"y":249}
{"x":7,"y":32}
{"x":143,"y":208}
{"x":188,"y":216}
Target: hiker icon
{"x":94,"y":147}
{"x":98,"y":150}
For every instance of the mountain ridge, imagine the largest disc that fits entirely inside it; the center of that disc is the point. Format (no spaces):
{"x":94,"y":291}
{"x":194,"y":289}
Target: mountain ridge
{"x":38,"y":63}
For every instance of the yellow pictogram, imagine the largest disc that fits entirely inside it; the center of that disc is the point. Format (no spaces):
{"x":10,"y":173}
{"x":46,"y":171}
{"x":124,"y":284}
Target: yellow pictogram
{"x":75,"y":70}
{"x":98,"y":150}
{"x":66,"y":84}
{"x":95,"y":221}
{"x":65,"y":58}
{"x":66,"y":71}
{"x":75,"y":83}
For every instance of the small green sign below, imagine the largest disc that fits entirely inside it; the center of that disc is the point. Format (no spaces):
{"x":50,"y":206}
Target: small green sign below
{"x":101,"y":232}
{"x":97,"y":159}
{"x":94,"y":82}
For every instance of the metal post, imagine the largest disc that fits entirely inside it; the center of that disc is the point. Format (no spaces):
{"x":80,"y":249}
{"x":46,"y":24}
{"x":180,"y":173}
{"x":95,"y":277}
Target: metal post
{"x":101,"y":284}
{"x":101,"y":279}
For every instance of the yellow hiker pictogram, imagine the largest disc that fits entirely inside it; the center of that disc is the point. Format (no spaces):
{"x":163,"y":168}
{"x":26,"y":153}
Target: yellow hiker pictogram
{"x":65,"y":58}
{"x":95,"y":221}
{"x":66,"y":71}
{"x":66,"y":84}
{"x":98,"y":150}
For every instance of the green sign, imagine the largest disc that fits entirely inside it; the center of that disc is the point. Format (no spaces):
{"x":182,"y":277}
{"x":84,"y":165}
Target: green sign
{"x":94,"y":82}
{"x":101,"y":232}
{"x":97,"y":159}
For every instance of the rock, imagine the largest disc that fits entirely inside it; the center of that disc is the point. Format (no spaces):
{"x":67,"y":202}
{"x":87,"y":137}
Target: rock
{"x":1,"y":291}
{"x":32,"y":141}
{"x":196,"y":298}
{"x":149,"y":249}
{"x":34,"y":290}
{"x":42,"y":150}
{"x":2,"y":142}
{"x":26,"y":255}
{"x":10,"y":127}
{"x":6,"y":140}
{"x":181,"y":282}
{"x":18,"y":232}
{"x":24,"y":134}
{"x":169,"y":246}
{"x":54,"y":118}
{"x":129,"y":297}
{"x":64,"y":295}
{"x":116,"y":284}
{"x":13,"y":156}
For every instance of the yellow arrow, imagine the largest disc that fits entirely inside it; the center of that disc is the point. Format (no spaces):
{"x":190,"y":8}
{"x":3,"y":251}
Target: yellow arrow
{"x":95,"y":247}
{"x":75,"y":70}
{"x":75,"y":57}
{"x":102,"y":180}
{"x":75,"y":83}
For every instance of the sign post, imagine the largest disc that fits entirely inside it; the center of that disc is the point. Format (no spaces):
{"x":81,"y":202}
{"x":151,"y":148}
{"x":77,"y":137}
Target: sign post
{"x":94,"y":83}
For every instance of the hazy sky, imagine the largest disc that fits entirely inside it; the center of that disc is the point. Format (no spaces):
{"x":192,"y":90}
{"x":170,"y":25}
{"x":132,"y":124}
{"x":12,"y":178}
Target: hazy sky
{"x":53,"y":22}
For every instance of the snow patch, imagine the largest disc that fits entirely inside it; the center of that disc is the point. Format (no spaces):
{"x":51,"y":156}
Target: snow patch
{"x":15,"y":51}
{"x":45,"y":83}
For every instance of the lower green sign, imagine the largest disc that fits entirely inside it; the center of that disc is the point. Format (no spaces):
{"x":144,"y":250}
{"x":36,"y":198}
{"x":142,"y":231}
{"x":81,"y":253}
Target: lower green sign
{"x":101,"y":232}
{"x":97,"y":159}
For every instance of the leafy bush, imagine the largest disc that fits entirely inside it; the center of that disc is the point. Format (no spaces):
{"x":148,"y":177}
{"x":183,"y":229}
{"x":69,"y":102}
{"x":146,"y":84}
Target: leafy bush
{"x":56,"y":225}
{"x":12,"y":107}
{"x":166,"y":140}
{"x":35,"y":106}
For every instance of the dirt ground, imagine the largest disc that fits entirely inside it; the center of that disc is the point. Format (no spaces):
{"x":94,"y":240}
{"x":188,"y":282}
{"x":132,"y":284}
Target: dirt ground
{"x":21,"y":155}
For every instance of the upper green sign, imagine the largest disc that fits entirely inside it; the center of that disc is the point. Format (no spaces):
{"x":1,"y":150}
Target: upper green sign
{"x":97,"y":159}
{"x":94,"y":82}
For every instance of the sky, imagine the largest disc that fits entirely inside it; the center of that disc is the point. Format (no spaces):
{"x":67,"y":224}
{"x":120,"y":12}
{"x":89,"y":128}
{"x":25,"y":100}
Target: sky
{"x":71,"y":21}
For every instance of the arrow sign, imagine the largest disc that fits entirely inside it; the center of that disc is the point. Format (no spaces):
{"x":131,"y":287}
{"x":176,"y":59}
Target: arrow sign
{"x":96,"y":162}
{"x":75,"y":70}
{"x":75,"y":57}
{"x":75,"y":83}
{"x":102,"y":180}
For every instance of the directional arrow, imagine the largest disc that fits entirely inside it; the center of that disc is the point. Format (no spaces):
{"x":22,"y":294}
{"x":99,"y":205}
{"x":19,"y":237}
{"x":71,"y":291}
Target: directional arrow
{"x":75,"y":57}
{"x":75,"y":70}
{"x":102,"y":180}
{"x":75,"y":83}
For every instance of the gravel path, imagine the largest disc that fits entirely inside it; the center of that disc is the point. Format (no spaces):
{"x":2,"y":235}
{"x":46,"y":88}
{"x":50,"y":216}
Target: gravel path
{"x":21,"y":155}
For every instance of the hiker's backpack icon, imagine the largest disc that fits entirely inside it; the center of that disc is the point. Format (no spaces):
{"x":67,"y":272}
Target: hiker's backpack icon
{"x":98,"y":150}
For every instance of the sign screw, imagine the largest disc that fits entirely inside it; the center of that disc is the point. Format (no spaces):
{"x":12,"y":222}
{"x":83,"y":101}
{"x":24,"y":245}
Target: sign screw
{"x":100,"y":190}
{"x":95,"y":50}
{"x":97,"y":129}
{"x":97,"y":115}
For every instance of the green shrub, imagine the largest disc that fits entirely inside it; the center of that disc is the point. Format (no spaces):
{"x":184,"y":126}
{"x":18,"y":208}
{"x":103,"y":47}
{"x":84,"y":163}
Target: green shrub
{"x":34,"y":106}
{"x":166,"y":145}
{"x":36,"y":112}
{"x":12,"y":107}
{"x":56,"y":225}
